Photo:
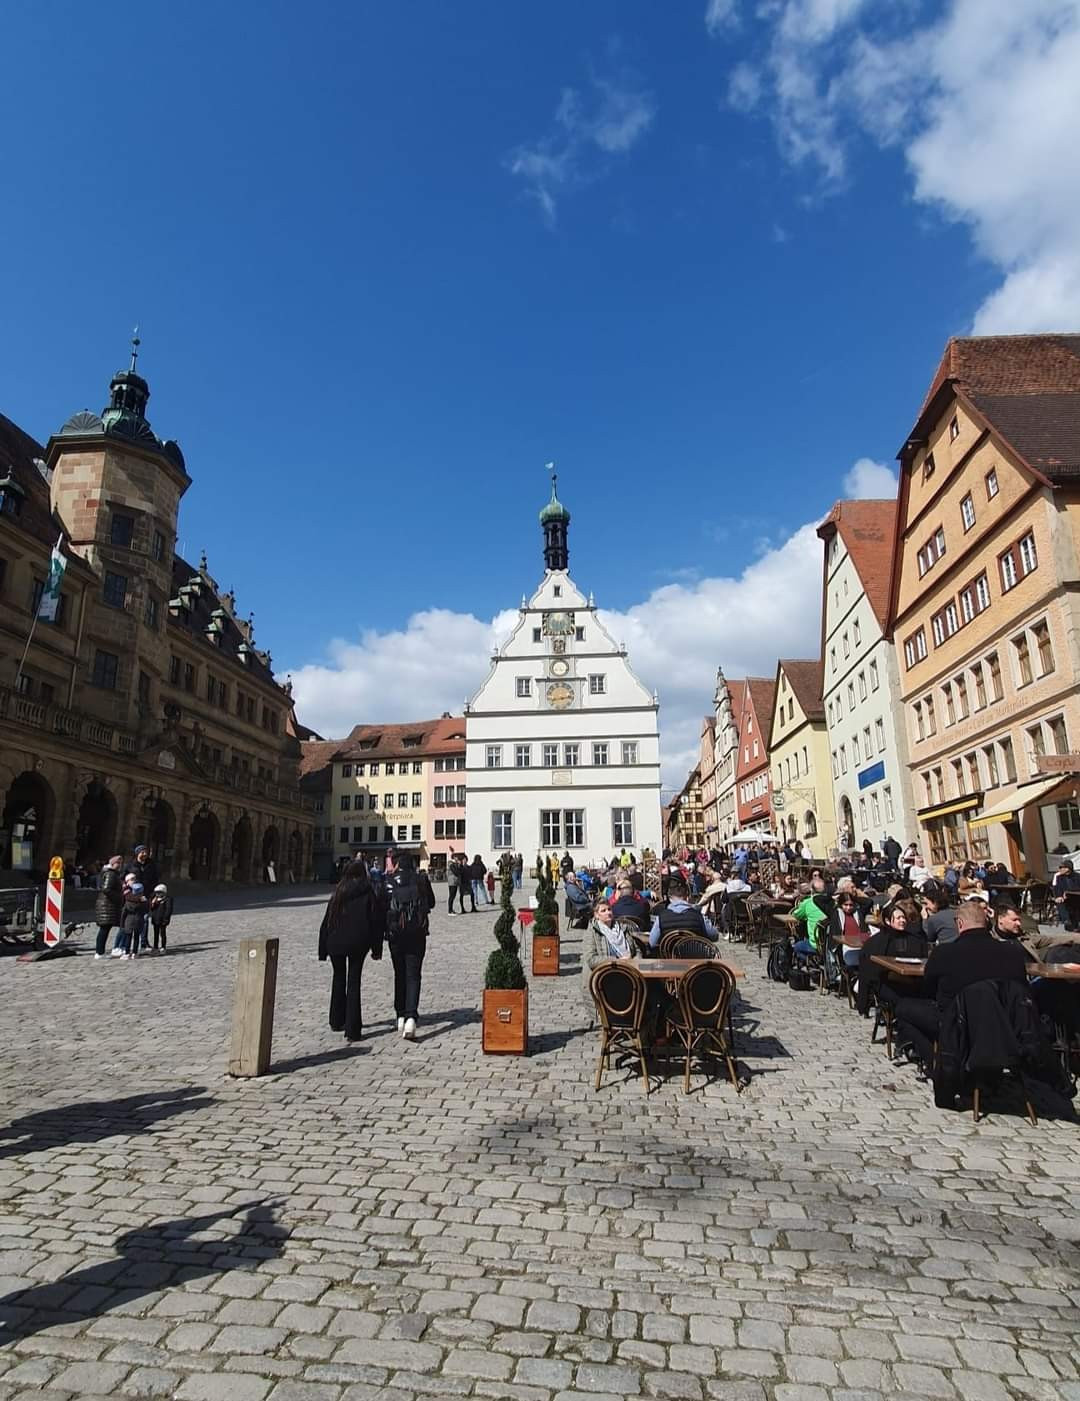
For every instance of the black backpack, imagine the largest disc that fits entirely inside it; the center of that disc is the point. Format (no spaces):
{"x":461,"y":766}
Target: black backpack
{"x":407,"y":915}
{"x":779,"y":965}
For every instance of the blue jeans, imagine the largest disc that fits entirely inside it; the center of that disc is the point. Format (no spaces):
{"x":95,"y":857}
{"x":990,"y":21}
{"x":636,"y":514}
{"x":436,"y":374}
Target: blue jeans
{"x":479,"y":890}
{"x":517,"y":880}
{"x":803,"y":946}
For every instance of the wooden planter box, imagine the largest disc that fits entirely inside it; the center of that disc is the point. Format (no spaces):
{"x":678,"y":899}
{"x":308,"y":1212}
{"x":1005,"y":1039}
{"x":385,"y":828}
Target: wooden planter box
{"x":506,"y":1021}
{"x":545,"y":955}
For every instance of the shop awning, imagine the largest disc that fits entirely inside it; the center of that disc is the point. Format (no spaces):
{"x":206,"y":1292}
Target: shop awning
{"x":1009,"y":809}
{"x":956,"y":805}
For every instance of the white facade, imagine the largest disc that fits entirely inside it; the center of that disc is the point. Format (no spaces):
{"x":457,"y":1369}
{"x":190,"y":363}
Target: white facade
{"x":562,"y":739}
{"x":867,"y":743}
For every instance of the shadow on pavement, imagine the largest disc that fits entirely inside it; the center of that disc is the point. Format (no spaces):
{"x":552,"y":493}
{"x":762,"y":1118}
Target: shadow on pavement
{"x":286,"y":1067}
{"x":92,"y":1121}
{"x":147,"y":1258}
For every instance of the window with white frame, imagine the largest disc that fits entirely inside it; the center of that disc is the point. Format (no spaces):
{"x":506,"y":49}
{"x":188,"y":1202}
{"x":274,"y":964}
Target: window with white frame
{"x":874,"y":681}
{"x":886,"y":793}
{"x":835,"y":765}
{"x":991,"y":484}
{"x":388,"y":800}
{"x":875,"y":808}
{"x":622,"y":827}
{"x":1029,"y":560}
{"x":493,"y":756}
{"x":1041,"y":633}
{"x":867,"y":750}
{"x":856,"y":757}
{"x":551,"y":827}
{"x":862,"y":813}
{"x":879,"y":730}
{"x":571,"y":755}
{"x":967,"y":512}
{"x":847,"y":645}
{"x":524,"y":686}
{"x":551,"y":756}
{"x":1068,"y":815}
{"x":597,"y":683}
{"x":502,"y":829}
{"x":600,"y":754}
{"x":522,"y":756}
{"x":862,"y":685}
{"x":843,"y":758}
{"x":403,"y":800}
{"x":574,"y":826}
{"x":1022,"y":658}
{"x":851,"y":695}
{"x":1009,"y":575}
{"x":630,"y":751}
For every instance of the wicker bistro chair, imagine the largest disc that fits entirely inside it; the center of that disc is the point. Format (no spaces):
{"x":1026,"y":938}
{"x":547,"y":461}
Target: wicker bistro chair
{"x":692,"y":946}
{"x":701,"y":1017}
{"x":619,"y":991}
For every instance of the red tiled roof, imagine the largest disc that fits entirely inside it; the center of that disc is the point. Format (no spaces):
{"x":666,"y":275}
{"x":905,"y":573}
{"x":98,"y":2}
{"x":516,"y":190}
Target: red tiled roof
{"x":409,"y":741}
{"x":867,"y":529}
{"x":805,"y":679}
{"x":762,"y":691}
{"x":1026,"y":387}
{"x":316,"y":757}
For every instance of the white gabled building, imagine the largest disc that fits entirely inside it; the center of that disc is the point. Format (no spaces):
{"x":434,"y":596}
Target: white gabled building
{"x":867,"y":742}
{"x":562,"y":739}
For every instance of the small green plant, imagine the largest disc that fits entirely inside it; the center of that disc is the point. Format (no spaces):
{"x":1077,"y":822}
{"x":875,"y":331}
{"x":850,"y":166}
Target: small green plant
{"x":545,"y":920}
{"x":504,"y":970}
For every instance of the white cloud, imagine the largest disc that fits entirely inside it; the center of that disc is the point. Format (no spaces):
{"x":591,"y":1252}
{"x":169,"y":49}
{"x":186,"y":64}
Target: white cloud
{"x":870,"y":481}
{"x":984,"y":101}
{"x":676,"y":637}
{"x":720,"y":15}
{"x":744,"y":87}
{"x":606,"y":120}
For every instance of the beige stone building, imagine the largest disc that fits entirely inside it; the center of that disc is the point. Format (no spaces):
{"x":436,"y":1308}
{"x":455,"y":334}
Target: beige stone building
{"x":145,"y":711}
{"x":802,"y":789}
{"x":985,"y":610}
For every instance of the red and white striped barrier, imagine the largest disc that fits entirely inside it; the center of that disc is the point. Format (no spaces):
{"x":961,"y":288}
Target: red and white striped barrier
{"x":54,"y":903}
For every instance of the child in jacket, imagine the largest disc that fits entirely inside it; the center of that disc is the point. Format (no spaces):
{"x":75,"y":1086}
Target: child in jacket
{"x":133,"y":919}
{"x":161,"y":911}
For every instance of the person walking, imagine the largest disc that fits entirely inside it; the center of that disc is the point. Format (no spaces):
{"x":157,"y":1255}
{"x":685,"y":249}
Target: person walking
{"x":352,"y":927}
{"x":518,"y":869}
{"x":477,"y":872}
{"x":411,"y":902}
{"x":109,"y":902}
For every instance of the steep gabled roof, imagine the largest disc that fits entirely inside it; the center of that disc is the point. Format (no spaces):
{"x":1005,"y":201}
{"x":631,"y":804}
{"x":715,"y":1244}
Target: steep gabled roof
{"x":762,"y":696}
{"x":316,"y":756}
{"x":805,"y":679}
{"x":867,"y":529}
{"x":1027,"y":388}
{"x":409,"y":741}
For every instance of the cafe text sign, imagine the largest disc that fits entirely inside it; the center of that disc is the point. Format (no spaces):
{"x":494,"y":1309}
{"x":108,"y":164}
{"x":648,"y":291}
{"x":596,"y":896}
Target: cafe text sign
{"x":1058,"y":763}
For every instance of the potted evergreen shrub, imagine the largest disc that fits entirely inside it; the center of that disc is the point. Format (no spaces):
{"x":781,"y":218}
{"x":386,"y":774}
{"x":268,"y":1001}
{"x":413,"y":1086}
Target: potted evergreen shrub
{"x":506,"y":993}
{"x":545,"y":928}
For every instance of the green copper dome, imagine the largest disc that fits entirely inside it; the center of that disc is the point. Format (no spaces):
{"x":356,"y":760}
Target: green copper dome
{"x":554,"y":510}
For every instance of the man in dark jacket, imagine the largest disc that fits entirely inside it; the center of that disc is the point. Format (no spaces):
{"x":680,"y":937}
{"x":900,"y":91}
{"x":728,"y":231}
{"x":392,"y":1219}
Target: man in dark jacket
{"x":629,"y":905}
{"x":891,"y":850}
{"x":680,"y":914}
{"x":973,"y":956}
{"x":144,"y":868}
{"x":109,"y":903}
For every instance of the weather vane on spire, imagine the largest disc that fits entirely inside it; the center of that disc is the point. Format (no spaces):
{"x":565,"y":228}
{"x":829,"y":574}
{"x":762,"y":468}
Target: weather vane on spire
{"x":550,"y":466}
{"x":135,"y":343}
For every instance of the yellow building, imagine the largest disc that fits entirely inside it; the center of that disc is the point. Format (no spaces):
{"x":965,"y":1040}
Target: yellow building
{"x":984,"y":608}
{"x":802,"y":791}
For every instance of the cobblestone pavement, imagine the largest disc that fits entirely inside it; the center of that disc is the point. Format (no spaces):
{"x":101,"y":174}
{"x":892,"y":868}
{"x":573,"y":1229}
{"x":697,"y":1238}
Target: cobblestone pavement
{"x":418,"y":1220}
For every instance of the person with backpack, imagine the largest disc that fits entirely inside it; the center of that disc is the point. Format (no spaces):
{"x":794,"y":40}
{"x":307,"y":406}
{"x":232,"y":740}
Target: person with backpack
{"x":352,"y":927}
{"x":411,"y":901}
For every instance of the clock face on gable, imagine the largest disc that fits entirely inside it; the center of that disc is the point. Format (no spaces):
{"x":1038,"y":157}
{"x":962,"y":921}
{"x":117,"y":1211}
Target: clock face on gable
{"x":560,"y":667}
{"x":560,"y":695}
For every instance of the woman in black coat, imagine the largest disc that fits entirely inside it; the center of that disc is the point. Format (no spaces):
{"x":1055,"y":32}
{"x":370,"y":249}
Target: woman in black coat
{"x":109,"y":902}
{"x":353,"y":926}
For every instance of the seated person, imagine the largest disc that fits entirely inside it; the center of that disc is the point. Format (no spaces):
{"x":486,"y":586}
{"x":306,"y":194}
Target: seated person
{"x":939,"y":917}
{"x":893,"y":940}
{"x":813,"y":910}
{"x":578,"y":904}
{"x":848,"y":923}
{"x":606,"y":938}
{"x":918,"y":873}
{"x":1064,"y":881}
{"x":629,"y":905}
{"x":680,"y":914}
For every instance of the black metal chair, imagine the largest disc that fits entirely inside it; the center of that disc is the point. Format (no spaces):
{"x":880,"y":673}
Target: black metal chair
{"x":700,"y":1018}
{"x":619,"y":992}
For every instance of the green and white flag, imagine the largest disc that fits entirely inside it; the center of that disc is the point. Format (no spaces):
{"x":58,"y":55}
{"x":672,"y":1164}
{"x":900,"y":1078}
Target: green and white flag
{"x":50,"y":594}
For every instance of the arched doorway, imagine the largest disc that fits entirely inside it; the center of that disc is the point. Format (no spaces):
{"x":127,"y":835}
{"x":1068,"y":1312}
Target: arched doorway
{"x":847,"y":821}
{"x":95,"y":835}
{"x":27,"y":823}
{"x":271,"y":850}
{"x":242,"y":843}
{"x":295,"y":861}
{"x":809,"y":825}
{"x":203,"y":840}
{"x":157,"y":830}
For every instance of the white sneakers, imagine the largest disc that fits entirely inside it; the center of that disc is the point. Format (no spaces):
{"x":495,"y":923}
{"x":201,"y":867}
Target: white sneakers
{"x":99,"y":955}
{"x":117,"y":953}
{"x":401,"y":1023}
{"x":408,"y":1031}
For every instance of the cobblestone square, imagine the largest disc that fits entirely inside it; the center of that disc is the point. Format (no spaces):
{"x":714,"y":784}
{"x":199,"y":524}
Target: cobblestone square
{"x":393,"y":1221}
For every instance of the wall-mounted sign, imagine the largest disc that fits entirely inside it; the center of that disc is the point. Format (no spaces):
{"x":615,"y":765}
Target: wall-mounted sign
{"x":874,"y":774}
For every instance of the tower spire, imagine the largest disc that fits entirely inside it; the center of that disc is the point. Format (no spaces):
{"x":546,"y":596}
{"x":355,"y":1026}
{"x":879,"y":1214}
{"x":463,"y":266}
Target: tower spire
{"x":555,"y":519}
{"x":135,"y":343}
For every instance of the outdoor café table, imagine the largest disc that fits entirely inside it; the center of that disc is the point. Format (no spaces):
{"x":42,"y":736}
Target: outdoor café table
{"x":902,"y":967}
{"x":672,"y":969}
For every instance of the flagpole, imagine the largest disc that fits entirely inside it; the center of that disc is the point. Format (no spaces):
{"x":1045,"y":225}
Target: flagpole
{"x":34,"y":619}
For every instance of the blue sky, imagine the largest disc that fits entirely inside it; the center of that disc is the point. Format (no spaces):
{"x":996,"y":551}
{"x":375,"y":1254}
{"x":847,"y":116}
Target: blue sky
{"x":388,"y":259}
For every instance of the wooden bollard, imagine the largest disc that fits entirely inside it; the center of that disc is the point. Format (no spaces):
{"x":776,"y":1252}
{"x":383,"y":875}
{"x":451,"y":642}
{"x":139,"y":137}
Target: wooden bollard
{"x":253,"y":1007}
